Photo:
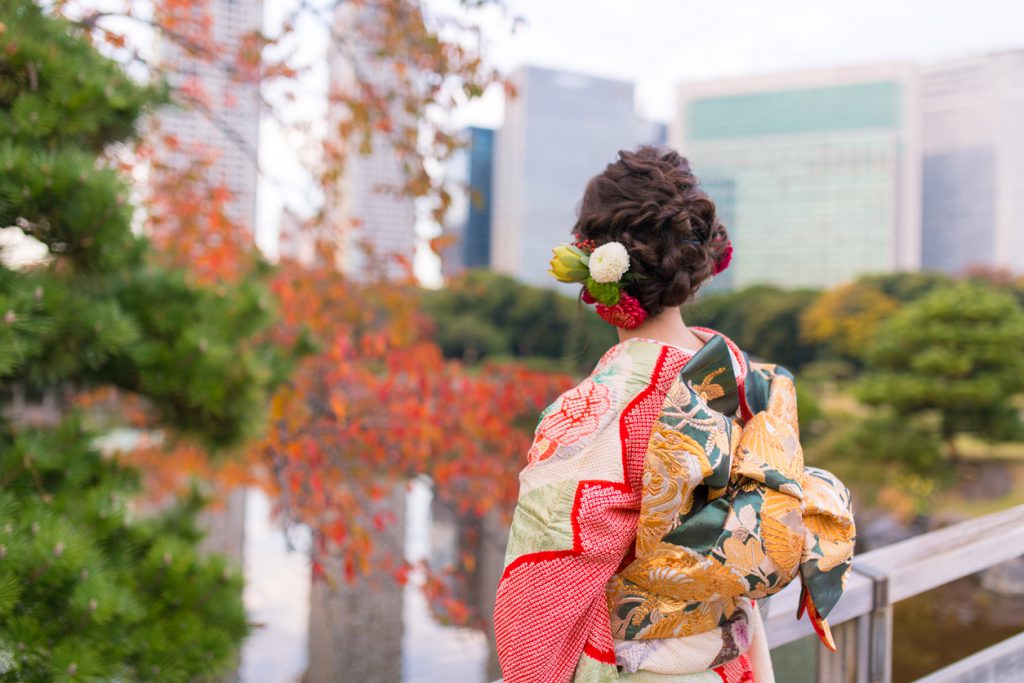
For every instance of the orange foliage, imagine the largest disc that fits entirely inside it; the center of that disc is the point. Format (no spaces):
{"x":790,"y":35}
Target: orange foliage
{"x":376,"y":403}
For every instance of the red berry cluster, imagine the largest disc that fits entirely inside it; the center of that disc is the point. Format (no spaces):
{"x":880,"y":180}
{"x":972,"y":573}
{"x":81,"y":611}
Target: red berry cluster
{"x":587,"y":246}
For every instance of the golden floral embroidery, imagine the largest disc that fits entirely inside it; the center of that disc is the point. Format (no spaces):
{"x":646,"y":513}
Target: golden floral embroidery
{"x":630,"y":605}
{"x":780,"y":522}
{"x":767,"y":441}
{"x":745,"y":553}
{"x":782,"y":402}
{"x":700,"y":618}
{"x":707,"y":389}
{"x":830,"y":530}
{"x":676,"y":590}
{"x":674,"y":466}
{"x":835,"y":538}
{"x":681,"y":574}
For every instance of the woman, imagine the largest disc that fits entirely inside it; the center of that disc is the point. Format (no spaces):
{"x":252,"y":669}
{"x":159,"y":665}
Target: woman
{"x":666,"y":492}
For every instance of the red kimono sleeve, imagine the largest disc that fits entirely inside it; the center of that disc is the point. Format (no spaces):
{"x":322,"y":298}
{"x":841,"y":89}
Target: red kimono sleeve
{"x":551,"y":614}
{"x":575,"y":523}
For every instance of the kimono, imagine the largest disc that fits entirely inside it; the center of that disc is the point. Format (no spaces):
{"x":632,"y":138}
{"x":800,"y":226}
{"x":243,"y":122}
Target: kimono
{"x":663,"y":496}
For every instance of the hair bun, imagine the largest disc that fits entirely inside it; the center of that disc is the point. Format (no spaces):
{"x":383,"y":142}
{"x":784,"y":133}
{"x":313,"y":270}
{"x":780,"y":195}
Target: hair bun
{"x":651,"y":202}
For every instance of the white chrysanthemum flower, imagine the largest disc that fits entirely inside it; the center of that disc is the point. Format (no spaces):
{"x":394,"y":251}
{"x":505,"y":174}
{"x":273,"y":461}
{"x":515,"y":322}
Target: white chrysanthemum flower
{"x":609,"y":262}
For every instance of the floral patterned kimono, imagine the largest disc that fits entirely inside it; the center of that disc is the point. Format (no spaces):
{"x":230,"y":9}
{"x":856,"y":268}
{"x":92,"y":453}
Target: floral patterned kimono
{"x":663,"y":495}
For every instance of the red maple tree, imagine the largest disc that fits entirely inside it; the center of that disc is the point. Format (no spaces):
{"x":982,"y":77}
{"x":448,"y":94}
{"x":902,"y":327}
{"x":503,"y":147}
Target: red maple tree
{"x":373,"y":402}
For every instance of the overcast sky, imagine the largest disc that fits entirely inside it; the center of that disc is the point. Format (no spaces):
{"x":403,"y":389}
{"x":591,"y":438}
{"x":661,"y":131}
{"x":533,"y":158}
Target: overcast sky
{"x":659,"y":43}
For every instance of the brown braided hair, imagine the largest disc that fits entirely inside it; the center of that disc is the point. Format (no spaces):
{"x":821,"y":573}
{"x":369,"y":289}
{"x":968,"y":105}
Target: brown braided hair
{"x":651,"y":202}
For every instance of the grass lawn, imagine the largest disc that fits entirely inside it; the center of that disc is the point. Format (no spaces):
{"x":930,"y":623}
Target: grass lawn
{"x":964,"y":500}
{"x":972,"y":448}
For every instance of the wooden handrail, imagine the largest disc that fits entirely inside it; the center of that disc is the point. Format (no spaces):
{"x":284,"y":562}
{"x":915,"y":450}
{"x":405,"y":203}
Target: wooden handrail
{"x":863,"y":618}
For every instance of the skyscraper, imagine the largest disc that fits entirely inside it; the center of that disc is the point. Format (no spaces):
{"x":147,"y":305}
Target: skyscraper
{"x":366,"y":207}
{"x":469,"y":174}
{"x":476,"y":240}
{"x":560,"y":130}
{"x":816,"y":174}
{"x":229,"y":125}
{"x":973,"y":176}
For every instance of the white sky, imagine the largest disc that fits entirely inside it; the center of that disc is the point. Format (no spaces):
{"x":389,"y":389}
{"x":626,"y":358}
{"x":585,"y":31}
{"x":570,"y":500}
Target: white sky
{"x":660,"y":43}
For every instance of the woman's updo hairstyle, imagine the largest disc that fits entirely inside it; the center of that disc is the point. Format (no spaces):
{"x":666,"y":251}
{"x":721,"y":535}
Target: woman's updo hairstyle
{"x":651,"y":202}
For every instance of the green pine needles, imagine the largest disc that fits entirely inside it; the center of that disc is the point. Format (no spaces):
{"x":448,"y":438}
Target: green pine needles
{"x":90,"y":591}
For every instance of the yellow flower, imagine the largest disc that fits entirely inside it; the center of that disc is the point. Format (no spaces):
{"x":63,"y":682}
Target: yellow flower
{"x":568,"y":265}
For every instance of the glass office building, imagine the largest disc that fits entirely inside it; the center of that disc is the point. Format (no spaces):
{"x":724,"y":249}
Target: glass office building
{"x":816,"y":175}
{"x":476,"y":239}
{"x":469,"y":174}
{"x":973,"y":147}
{"x":560,"y":130}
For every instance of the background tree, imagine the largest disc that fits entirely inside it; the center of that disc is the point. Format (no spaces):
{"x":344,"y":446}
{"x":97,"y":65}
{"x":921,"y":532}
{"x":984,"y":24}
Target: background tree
{"x":87,"y":589}
{"x":955,"y":353}
{"x":906,"y":287}
{"x":999,"y":278}
{"x":375,"y":403}
{"x":485,"y":314}
{"x":844,"y":319}
{"x":763,"y":320}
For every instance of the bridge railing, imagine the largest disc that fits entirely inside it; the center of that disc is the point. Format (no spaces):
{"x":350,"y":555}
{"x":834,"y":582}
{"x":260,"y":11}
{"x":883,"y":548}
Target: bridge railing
{"x":862,"y":621}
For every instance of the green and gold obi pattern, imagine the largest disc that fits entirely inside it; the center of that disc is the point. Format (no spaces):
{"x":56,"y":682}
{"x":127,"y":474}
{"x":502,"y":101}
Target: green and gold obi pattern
{"x":728,"y":508}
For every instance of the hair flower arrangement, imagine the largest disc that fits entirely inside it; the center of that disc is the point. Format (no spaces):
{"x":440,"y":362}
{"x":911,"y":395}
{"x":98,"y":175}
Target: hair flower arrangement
{"x":601,"y":270}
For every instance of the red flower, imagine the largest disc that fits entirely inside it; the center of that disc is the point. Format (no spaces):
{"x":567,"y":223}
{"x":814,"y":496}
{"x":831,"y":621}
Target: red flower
{"x":723,"y":260}
{"x":627,"y":314}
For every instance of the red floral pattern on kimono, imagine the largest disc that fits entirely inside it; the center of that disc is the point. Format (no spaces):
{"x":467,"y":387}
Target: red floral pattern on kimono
{"x":577,"y":417}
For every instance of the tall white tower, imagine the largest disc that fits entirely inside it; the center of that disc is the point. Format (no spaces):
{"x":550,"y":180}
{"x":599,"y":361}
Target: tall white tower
{"x":560,"y":130}
{"x":228,"y":125}
{"x":365,"y":207}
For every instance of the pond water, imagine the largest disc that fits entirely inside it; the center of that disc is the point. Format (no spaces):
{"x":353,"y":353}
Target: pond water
{"x":942,"y":626}
{"x":277,"y":597}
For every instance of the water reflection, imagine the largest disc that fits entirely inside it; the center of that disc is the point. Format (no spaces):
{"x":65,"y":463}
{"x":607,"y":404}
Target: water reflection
{"x":276,"y":596}
{"x":947,"y":624}
{"x":365,"y":632}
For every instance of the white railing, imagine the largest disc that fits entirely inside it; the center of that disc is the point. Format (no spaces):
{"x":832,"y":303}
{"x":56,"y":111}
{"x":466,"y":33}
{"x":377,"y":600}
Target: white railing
{"x":862,"y":621}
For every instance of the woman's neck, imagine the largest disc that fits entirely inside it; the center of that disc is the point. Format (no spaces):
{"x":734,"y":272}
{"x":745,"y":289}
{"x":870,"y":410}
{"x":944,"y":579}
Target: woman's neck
{"x":667,"y":327}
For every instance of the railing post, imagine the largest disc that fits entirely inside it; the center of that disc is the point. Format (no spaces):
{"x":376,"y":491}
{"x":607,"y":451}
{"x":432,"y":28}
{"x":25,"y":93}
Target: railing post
{"x":896,"y":572}
{"x":879,"y":651}
{"x":851,"y":638}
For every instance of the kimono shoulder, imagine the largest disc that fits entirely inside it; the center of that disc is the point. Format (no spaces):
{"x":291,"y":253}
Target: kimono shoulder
{"x":589,"y":413}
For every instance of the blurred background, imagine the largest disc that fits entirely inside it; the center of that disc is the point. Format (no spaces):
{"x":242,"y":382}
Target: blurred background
{"x":277,"y":325}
